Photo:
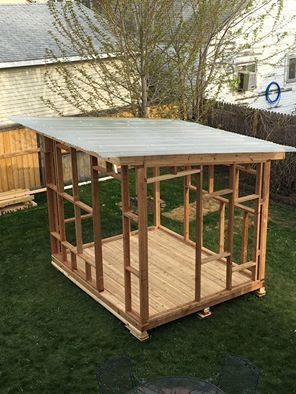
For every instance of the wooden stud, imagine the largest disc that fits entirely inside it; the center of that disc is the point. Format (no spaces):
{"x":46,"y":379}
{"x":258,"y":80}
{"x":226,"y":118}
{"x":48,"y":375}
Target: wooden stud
{"x":77,"y":210}
{"x":95,"y":192}
{"x":245,"y":237}
{"x":186,"y":224}
{"x":156,"y":198}
{"x":230,"y":226}
{"x":51,"y":195}
{"x":264,"y":219}
{"x":222,"y":226}
{"x":173,"y":175}
{"x":125,"y":199}
{"x":211,"y":178}
{"x":143,"y":242}
{"x":257,"y":219}
{"x":73,"y":261}
{"x":60,"y":200}
{"x":199,"y":234}
{"x":236,"y":196}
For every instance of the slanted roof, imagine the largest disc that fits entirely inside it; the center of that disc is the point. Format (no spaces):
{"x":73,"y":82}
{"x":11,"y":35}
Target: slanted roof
{"x":133,"y":140}
{"x":25,"y":37}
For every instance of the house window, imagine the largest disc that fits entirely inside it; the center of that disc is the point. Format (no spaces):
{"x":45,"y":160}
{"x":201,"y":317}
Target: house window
{"x":291,"y":77}
{"x":246,"y":76}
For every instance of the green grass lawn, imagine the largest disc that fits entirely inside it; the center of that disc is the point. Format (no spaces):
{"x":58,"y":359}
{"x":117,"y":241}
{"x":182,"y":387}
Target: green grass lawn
{"x":53,"y":335}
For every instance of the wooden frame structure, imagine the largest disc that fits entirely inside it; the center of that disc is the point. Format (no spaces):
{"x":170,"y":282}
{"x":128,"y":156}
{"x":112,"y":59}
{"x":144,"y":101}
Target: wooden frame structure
{"x":153,"y":275}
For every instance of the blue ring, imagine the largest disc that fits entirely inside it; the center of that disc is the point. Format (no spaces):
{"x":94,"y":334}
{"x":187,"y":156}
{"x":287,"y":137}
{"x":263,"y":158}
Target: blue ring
{"x":267,"y":92}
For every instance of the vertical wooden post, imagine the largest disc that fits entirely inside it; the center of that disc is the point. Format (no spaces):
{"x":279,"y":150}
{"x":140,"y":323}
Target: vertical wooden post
{"x":60,"y":199}
{"x":222,"y":226}
{"x":264,"y":220}
{"x":143,"y":242}
{"x":245,"y":239}
{"x":77,"y":210}
{"x":232,"y":186}
{"x":156,"y":199}
{"x":95,"y":192}
{"x":126,"y":229}
{"x":257,"y":219}
{"x":186,"y":224}
{"x":51,"y":194}
{"x":236,"y":183}
{"x":211,"y":178}
{"x":199,"y":234}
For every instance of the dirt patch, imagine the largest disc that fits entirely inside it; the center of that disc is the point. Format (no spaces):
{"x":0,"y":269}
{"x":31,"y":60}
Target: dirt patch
{"x":178,"y":213}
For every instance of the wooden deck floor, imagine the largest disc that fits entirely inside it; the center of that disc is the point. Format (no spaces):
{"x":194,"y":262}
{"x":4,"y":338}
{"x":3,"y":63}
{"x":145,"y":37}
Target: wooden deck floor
{"x":171,"y":272}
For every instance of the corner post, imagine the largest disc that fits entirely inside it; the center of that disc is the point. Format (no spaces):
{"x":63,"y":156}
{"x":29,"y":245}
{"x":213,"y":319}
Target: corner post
{"x":198,"y":234}
{"x":143,"y":242}
{"x":51,"y":194}
{"x":264,"y":219}
{"x":232,"y":186}
{"x":95,"y":192}
{"x":58,"y":158}
{"x":126,"y":229}
{"x":257,"y":219}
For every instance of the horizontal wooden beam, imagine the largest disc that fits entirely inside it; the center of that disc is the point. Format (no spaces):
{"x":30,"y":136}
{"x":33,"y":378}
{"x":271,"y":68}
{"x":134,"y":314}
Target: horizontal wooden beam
{"x":165,"y":177}
{"x":197,"y":159}
{"x":246,"y":169}
{"x":180,"y":311}
{"x":131,"y":215}
{"x":247,"y":198}
{"x":217,"y":193}
{"x":86,"y":216}
{"x":133,"y":271}
{"x":225,"y":200}
{"x":108,"y":172}
{"x":244,"y":266}
{"x":214,"y":257}
{"x":245,"y":208}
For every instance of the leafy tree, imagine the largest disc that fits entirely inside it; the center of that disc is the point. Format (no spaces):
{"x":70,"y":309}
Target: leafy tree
{"x":140,"y":53}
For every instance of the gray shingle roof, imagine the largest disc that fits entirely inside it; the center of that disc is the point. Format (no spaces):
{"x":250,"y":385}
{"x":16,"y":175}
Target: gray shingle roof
{"x":24,"y":33}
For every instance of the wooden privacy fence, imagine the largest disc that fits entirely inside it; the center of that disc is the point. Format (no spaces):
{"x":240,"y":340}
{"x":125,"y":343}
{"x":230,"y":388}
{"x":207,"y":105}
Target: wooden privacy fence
{"x":266,"y":125}
{"x":21,"y":161}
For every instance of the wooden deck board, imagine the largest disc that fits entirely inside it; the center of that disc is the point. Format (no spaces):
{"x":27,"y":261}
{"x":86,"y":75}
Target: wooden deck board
{"x":171,"y":272}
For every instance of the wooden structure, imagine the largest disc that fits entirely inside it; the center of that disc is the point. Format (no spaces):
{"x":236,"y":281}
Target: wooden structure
{"x":153,"y":275}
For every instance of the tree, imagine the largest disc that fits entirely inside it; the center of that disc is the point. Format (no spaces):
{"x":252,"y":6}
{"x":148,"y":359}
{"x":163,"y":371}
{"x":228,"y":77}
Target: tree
{"x":211,"y":34}
{"x":141,"y":53}
{"x":123,"y":44}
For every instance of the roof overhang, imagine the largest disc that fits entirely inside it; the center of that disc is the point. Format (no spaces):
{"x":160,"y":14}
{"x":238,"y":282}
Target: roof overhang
{"x":154,"y":142}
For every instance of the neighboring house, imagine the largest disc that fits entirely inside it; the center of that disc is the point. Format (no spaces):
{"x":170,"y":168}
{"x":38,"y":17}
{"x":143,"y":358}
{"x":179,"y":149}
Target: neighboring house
{"x":272,"y":60}
{"x":24,"y":39}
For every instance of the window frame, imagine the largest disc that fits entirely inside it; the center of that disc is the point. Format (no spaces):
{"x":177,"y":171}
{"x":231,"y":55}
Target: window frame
{"x":239,"y":69}
{"x":289,"y":58}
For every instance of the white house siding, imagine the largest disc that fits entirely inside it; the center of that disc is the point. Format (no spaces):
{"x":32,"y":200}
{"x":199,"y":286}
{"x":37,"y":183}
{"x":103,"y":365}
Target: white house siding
{"x":22,"y":89}
{"x":271,"y":61}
